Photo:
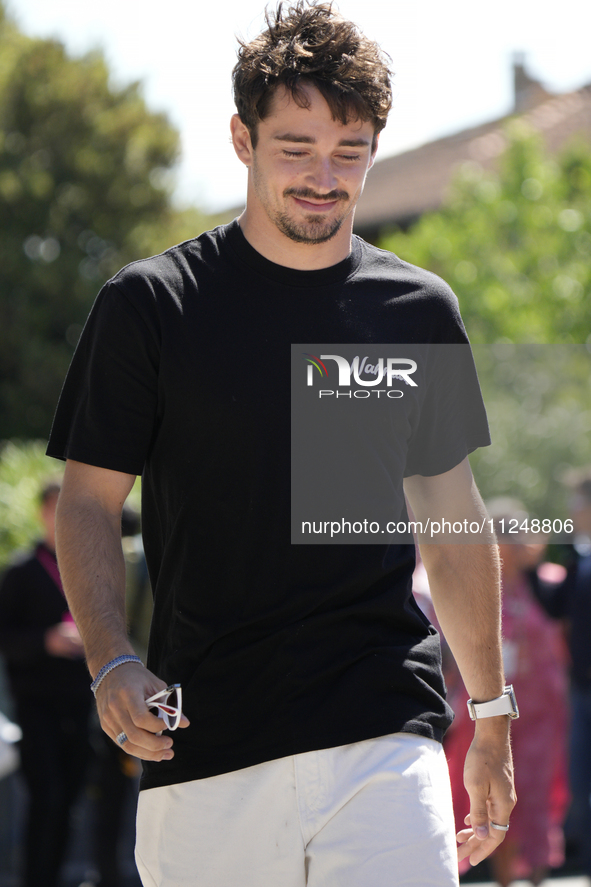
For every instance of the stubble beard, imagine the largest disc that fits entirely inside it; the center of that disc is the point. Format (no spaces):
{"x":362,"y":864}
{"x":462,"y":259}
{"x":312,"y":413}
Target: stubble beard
{"x":313,"y":230}
{"x":316,"y":228}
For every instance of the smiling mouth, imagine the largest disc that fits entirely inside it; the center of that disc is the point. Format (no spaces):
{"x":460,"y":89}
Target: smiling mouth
{"x":313,"y":203}
{"x":315,"y":207}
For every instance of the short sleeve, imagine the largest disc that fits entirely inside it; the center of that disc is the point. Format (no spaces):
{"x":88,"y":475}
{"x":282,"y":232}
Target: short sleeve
{"x":108,"y":408}
{"x":452,"y":421}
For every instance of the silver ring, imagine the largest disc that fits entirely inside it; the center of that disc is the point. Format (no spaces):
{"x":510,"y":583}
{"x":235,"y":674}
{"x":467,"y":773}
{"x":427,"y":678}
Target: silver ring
{"x":123,"y":738}
{"x":499,"y":828}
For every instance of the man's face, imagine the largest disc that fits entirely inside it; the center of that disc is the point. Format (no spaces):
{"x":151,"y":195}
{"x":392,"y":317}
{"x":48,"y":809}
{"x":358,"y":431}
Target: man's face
{"x":308,"y":169}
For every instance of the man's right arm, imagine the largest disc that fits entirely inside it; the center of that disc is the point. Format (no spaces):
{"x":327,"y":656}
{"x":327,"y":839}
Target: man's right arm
{"x":92,"y":567}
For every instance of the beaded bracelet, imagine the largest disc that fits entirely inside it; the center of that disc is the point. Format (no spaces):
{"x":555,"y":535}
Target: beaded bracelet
{"x":119,"y":660}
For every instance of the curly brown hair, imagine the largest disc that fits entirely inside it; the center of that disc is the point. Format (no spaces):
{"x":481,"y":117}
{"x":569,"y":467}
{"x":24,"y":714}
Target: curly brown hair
{"x":309,"y":43}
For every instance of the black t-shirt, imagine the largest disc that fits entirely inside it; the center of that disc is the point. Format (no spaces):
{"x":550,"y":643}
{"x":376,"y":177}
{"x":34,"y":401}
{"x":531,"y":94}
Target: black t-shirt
{"x":182,"y":375}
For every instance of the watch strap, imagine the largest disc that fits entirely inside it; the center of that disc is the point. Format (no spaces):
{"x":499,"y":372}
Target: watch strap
{"x":506,"y":704}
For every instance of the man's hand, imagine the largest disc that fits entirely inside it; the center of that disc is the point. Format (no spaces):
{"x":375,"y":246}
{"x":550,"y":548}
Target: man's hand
{"x":488,"y":777}
{"x":464,"y":580}
{"x":121,"y":703}
{"x":88,"y":525}
{"x":64,"y":641}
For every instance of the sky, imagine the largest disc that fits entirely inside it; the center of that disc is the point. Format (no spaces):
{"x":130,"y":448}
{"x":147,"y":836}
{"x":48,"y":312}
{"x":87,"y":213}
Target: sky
{"x":452,"y":63}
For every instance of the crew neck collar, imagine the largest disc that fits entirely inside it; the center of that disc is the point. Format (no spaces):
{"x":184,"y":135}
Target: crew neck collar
{"x":291,"y":276}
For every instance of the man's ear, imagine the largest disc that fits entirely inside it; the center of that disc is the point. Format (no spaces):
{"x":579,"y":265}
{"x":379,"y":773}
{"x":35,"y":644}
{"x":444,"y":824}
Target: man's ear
{"x":374,"y":149}
{"x":241,"y":140}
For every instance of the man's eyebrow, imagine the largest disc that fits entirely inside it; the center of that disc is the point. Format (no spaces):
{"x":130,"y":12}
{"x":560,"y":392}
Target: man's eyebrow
{"x":291,"y":137}
{"x":355,"y":143}
{"x":309,"y":140}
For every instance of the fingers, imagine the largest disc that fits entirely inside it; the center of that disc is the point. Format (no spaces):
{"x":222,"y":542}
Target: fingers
{"x":488,"y":777}
{"x":122,"y":710}
{"x":478,"y":816}
{"x":478,"y":845}
{"x":143,"y":744}
{"x":143,"y":737}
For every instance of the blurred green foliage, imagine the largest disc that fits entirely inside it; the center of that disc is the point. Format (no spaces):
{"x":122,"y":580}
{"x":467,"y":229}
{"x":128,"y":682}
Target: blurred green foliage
{"x":24,"y":468}
{"x":515,"y":245}
{"x":85,"y":187}
{"x":539,"y":411}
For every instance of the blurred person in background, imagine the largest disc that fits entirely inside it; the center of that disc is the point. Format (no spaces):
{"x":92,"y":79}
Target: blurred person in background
{"x":48,"y":679}
{"x":535,"y":659}
{"x":571,"y":602}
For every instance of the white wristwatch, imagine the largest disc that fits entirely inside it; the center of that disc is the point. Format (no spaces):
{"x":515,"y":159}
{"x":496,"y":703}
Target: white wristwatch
{"x":502,"y":705}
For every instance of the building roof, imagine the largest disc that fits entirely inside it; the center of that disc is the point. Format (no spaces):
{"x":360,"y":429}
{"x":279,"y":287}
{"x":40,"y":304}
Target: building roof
{"x":399,"y":189}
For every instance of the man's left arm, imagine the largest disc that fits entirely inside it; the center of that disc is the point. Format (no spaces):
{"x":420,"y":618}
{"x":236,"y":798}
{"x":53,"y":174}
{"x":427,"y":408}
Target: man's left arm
{"x":464,"y":578}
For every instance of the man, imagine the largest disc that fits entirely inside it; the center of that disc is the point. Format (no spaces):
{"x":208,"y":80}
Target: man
{"x":49,"y":682}
{"x":575,"y":605}
{"x":312,"y":687}
{"x":571,"y":602}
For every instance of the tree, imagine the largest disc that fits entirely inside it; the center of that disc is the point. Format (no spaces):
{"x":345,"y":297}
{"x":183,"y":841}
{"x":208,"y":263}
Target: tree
{"x":22,"y":471}
{"x":539,"y":410}
{"x":24,"y":468}
{"x":85,"y":187}
{"x":515,"y":245}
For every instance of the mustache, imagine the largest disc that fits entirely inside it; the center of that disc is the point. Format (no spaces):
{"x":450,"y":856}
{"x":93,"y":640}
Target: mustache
{"x":308,"y":194}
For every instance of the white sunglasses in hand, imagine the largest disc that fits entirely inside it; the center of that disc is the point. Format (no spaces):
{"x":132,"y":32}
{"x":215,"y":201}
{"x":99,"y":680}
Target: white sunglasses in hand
{"x":168,"y":703}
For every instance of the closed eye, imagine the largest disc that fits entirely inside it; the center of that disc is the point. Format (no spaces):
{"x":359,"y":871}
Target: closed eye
{"x":347,"y":158}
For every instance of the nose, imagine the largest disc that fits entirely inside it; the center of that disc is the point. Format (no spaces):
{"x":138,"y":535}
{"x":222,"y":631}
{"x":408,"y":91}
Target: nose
{"x":322,"y":177}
